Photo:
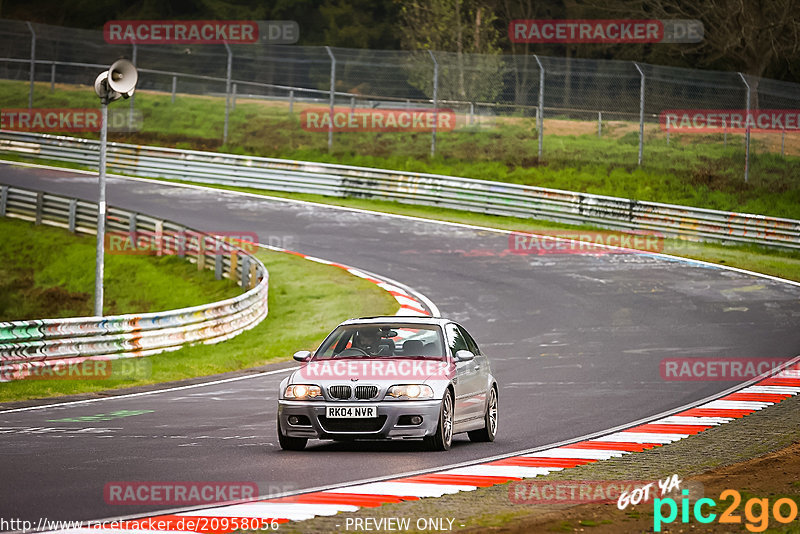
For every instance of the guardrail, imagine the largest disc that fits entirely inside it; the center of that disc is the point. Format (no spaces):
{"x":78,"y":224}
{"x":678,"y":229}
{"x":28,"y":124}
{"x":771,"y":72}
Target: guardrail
{"x":28,"y":348}
{"x":481,"y":196}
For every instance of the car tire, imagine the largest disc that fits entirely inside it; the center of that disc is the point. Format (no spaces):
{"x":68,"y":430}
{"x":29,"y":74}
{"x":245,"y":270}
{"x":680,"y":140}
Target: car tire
{"x":489,"y":431}
{"x":443,"y":438}
{"x":290,"y":444}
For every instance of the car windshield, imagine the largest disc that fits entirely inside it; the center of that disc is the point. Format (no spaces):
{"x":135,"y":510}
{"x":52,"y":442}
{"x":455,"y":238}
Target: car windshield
{"x":378,"y":340}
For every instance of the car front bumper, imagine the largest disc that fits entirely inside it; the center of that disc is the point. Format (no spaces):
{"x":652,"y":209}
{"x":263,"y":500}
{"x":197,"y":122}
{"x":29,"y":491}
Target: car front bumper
{"x":386,"y":426}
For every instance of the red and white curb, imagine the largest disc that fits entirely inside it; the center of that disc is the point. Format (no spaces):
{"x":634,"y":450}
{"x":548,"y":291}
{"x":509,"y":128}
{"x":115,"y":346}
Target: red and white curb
{"x":349,"y":498}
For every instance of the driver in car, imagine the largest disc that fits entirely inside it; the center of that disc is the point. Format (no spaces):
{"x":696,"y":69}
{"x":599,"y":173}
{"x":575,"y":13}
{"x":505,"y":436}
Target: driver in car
{"x":369,"y":340}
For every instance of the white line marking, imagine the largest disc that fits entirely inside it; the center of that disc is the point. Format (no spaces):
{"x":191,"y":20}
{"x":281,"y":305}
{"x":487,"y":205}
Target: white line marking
{"x":143,"y":393}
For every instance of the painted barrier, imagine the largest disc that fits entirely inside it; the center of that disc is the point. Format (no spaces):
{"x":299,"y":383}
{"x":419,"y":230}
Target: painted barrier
{"x":26,"y":347}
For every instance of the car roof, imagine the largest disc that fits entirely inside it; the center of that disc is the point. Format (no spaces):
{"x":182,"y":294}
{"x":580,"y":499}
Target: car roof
{"x":399,"y":319}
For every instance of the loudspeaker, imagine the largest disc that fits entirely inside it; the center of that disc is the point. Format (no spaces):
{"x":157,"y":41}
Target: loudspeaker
{"x":122,"y":77}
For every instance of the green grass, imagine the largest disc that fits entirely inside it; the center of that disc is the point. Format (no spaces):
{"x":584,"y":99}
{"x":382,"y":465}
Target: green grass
{"x":306,"y":300}
{"x":692,"y":170}
{"x":48,"y":272}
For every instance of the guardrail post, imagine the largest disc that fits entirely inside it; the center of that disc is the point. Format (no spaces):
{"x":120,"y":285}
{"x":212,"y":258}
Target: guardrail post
{"x":234,"y":264}
{"x":73,"y":210}
{"x":133,"y":96}
{"x":52,"y":76}
{"x":39,"y":206}
{"x":747,"y":131}
{"x":233,"y":98}
{"x":3,"y":200}
{"x":540,"y":110}
{"x":641,"y":111}
{"x":783,"y":140}
{"x":132,"y":222}
{"x":218,"y":264}
{"x":227,"y":93}
{"x":667,"y":130}
{"x":435,"y":102}
{"x":160,"y":238}
{"x":174,"y":87}
{"x":180,"y":242}
{"x":332,"y":96}
{"x":201,"y":252}
{"x":599,"y":124}
{"x":291,"y":101}
{"x":245,"y":272}
{"x":253,"y":278}
{"x":33,"y":64}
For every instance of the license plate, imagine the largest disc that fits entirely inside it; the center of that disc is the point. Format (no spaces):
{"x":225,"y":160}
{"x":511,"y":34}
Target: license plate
{"x":350,"y":412}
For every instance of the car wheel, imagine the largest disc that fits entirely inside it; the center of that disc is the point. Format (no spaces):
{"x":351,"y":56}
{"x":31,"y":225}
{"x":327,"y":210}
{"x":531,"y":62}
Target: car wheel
{"x":290,"y":444}
{"x":443,"y":437}
{"x":488,"y":432}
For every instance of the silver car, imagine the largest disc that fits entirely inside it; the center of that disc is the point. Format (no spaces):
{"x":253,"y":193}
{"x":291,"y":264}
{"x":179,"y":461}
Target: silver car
{"x":390,"y":378}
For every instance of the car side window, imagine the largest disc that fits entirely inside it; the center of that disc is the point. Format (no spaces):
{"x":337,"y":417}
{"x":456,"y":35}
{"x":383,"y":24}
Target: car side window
{"x":455,"y":339}
{"x":471,"y":345}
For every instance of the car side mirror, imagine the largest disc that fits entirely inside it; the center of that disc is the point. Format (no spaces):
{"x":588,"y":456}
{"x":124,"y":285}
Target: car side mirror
{"x":464,"y":356}
{"x":302,"y":355}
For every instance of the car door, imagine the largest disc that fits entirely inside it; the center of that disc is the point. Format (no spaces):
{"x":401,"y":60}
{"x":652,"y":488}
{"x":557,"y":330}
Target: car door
{"x":467,"y":376}
{"x":481,"y":367}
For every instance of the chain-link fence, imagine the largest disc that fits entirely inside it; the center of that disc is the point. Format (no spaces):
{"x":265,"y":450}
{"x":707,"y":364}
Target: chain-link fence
{"x":558,"y":109}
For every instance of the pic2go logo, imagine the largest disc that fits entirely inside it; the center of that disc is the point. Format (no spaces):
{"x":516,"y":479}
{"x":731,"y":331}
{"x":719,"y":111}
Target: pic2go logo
{"x":756,"y":511}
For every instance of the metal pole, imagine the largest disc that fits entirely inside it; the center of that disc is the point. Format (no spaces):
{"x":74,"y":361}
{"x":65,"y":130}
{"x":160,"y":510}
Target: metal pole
{"x":227,"y":94}
{"x":599,"y":124}
{"x":540,"y":111}
{"x":233,"y":99}
{"x":641,"y":112}
{"x":101,"y":216}
{"x":747,"y":132}
{"x":133,"y":96}
{"x":33,"y":64}
{"x":435,"y":102}
{"x":53,"y":76}
{"x":332,"y":96}
{"x":471,"y":112}
{"x":174,"y":87}
{"x":725,"y":133}
{"x":667,"y":130}
{"x":291,"y":101}
{"x":783,"y":141}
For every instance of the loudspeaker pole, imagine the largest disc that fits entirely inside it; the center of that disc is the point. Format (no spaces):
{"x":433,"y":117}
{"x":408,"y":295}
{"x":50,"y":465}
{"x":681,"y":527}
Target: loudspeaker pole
{"x":101,"y":214}
{"x":118,"y":82}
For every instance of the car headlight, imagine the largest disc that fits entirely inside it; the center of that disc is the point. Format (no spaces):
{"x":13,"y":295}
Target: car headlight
{"x":302,"y":391}
{"x":411,"y":391}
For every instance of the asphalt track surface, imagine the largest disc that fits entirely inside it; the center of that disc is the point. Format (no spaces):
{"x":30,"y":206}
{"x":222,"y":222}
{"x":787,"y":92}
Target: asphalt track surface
{"x":575,"y":341}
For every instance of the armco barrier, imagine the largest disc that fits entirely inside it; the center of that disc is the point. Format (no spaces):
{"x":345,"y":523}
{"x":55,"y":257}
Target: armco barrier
{"x":413,"y":188}
{"x":27,"y":347}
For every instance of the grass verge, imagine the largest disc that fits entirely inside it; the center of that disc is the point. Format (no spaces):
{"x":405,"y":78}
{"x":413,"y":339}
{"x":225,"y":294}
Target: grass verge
{"x":306,"y":300}
{"x":49,"y":272}
{"x":694,"y":170}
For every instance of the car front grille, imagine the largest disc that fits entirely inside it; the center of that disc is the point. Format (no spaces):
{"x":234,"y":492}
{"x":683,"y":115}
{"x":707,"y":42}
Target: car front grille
{"x":372,"y":424}
{"x":366,"y":392}
{"x":339,"y":392}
